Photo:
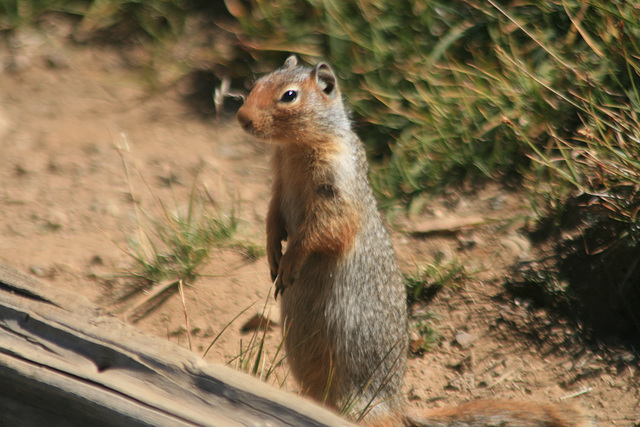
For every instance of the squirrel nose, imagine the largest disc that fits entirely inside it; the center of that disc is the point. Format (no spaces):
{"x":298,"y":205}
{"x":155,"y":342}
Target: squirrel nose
{"x":245,"y":122}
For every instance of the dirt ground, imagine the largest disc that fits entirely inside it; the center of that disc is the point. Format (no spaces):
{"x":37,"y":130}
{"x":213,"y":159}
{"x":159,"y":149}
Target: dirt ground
{"x":81,"y":138}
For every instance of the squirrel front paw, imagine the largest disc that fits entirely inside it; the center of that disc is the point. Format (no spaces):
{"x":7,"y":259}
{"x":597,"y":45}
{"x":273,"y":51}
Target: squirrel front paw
{"x":287,"y":274}
{"x":279,"y":288}
{"x":274,"y":256}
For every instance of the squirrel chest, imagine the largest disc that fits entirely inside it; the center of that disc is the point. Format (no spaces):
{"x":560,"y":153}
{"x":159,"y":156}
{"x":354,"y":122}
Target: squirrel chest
{"x":314,"y":186}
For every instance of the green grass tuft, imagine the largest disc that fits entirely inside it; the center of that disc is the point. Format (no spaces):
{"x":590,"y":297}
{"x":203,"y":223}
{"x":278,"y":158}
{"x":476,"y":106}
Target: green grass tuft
{"x":178,"y":246}
{"x":429,"y":337}
{"x":431,"y":278}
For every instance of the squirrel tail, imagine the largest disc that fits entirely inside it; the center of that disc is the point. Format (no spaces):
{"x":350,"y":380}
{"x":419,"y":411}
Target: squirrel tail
{"x":487,"y":413}
{"x":501,"y":413}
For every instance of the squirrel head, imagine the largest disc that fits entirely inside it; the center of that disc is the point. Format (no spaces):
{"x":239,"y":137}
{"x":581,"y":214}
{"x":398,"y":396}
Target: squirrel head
{"x":295,"y":104}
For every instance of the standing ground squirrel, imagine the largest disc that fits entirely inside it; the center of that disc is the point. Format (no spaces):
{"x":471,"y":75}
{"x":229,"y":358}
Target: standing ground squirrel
{"x":343,"y":301}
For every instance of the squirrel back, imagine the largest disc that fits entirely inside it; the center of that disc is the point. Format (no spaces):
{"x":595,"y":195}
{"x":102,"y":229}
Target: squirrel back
{"x":344,"y":308}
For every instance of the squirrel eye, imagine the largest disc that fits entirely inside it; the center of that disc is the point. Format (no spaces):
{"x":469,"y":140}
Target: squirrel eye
{"x":289,"y":96}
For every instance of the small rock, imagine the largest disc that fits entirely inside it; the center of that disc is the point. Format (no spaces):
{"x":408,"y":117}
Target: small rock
{"x":466,"y":364}
{"x":416,"y":344}
{"x":257,"y":322}
{"x":38,"y":271}
{"x":464,"y":382}
{"x":517,"y":246}
{"x":439,"y":404}
{"x":56,"y":220}
{"x":466,"y":242}
{"x":497,"y":202}
{"x":96,"y":260}
{"x":208,"y":332}
{"x":18,"y":64}
{"x":416,"y":395}
{"x":57,"y":60}
{"x":465,"y":339}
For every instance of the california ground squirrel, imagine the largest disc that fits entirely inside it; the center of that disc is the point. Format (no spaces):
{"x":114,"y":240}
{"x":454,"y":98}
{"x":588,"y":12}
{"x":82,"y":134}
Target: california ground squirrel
{"x":343,"y":305}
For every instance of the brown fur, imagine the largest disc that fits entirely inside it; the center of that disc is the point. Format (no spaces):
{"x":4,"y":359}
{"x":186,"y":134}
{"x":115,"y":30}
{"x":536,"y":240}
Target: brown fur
{"x":343,"y":300}
{"x":491,"y":412}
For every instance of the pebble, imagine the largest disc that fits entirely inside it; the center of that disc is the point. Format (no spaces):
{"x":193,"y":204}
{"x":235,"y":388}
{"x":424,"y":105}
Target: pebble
{"x":96,"y":260}
{"x":517,"y":246}
{"x":416,"y":394}
{"x":38,"y":271}
{"x":57,"y":60}
{"x":465,"y":339}
{"x":56,"y":220}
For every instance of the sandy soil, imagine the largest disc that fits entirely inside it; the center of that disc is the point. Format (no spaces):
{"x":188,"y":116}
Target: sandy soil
{"x":81,"y":138}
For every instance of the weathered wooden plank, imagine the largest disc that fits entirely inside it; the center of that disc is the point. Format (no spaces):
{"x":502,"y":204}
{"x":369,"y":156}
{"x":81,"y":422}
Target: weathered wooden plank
{"x":65,"y":362}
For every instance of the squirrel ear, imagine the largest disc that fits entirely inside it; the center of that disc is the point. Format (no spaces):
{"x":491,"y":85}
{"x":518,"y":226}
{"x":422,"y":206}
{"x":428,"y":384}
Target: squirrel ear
{"x":325,"y":79}
{"x":291,"y":62}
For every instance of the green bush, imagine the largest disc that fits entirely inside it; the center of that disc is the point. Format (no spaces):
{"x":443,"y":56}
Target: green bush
{"x":462,"y":89}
